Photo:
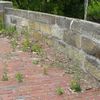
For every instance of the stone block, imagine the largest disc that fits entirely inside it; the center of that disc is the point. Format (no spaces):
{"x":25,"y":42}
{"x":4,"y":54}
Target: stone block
{"x":37,"y":35}
{"x":50,"y":41}
{"x":34,"y":16}
{"x":90,"y":29}
{"x":34,"y":25}
{"x":90,"y":46}
{"x":92,"y":66}
{"x":72,"y":38}
{"x":57,"y":31}
{"x":47,"y":18}
{"x":75,"y":25}
{"x":63,"y":22}
{"x":4,"y":4}
{"x":45,"y":28}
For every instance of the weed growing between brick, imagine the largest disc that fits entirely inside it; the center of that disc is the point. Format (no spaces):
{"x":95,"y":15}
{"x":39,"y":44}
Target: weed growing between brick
{"x":5,"y":74}
{"x":19,"y":77}
{"x":35,"y":62}
{"x":60,"y":91}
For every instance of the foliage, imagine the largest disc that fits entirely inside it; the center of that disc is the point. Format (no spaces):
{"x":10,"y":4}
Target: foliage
{"x":9,"y":31}
{"x":94,"y":11}
{"x":1,"y":25}
{"x":60,"y":91}
{"x":5,"y":75}
{"x":26,"y":45}
{"x":71,"y":8}
{"x":75,"y":86}
{"x":35,"y":62}
{"x":36,"y":48}
{"x":19,"y":77}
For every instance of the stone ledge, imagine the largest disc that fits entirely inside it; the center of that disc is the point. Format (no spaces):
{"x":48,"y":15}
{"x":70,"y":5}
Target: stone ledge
{"x":90,"y":46}
{"x":92,"y":66}
{"x":72,"y":38}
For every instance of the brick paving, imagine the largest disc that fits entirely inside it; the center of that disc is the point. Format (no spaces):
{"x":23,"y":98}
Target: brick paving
{"x":36,"y":85}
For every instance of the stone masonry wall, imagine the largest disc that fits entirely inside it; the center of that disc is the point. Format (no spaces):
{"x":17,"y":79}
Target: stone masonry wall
{"x":77,"y":39}
{"x":4,"y":4}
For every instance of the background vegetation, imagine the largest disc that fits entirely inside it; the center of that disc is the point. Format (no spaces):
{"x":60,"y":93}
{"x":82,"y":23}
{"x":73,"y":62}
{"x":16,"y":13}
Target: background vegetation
{"x":70,"y":8}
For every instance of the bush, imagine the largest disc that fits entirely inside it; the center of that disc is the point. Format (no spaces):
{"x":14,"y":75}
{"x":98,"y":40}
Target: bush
{"x":75,"y":86}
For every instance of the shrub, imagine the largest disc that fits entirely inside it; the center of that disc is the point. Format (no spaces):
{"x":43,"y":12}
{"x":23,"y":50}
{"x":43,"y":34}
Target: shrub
{"x":19,"y":77}
{"x":60,"y":91}
{"x":75,"y":86}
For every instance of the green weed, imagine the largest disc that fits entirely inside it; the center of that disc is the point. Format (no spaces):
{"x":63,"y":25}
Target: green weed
{"x":5,"y":75}
{"x":19,"y":77}
{"x":60,"y":91}
{"x":35,"y":62}
{"x":36,"y":48}
{"x":75,"y":86}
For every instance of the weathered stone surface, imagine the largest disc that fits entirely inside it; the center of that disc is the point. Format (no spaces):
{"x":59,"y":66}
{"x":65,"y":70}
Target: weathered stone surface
{"x":13,"y":20}
{"x":92,"y":66}
{"x":71,"y":52}
{"x":72,"y":38}
{"x":90,"y":29}
{"x":50,"y":41}
{"x":4,"y":4}
{"x":45,"y":28}
{"x":37,"y":35}
{"x":90,"y":46}
{"x":57,"y":31}
{"x":75,"y":25}
{"x":46,"y":18}
{"x":34,"y":25}
{"x":35,"y":16}
{"x":63,"y":22}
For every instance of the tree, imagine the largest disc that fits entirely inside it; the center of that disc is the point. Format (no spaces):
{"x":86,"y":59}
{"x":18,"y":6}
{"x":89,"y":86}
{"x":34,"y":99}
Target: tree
{"x":70,"y":8}
{"x":85,"y":9}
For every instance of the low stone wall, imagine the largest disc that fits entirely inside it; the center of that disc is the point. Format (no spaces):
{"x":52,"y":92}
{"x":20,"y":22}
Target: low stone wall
{"x":77,"y":39}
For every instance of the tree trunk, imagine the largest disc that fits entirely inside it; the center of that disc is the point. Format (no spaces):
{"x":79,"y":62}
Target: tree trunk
{"x":85,"y":9}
